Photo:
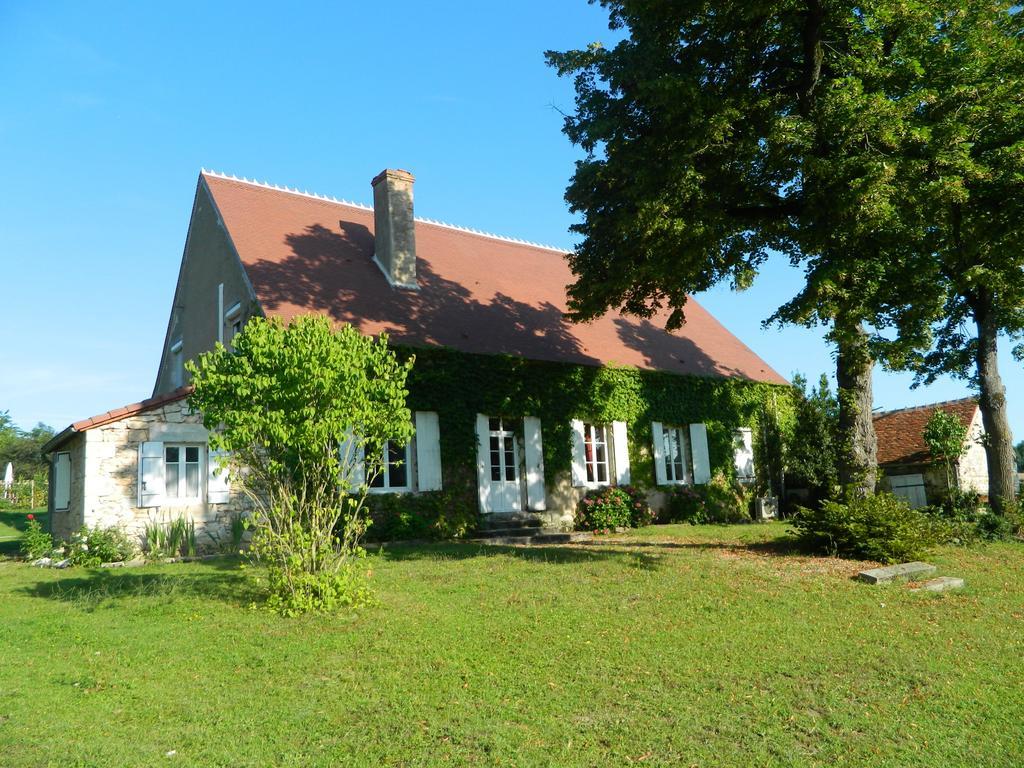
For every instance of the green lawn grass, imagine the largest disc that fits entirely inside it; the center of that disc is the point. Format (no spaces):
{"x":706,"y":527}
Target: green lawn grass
{"x":677,"y":645}
{"x":12,"y":523}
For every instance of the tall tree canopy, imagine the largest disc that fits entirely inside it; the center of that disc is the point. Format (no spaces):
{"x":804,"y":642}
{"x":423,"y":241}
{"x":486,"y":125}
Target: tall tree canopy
{"x":718,"y":134}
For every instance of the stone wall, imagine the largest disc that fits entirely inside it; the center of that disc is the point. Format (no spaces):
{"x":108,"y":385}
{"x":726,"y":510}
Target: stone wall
{"x":973,"y":466}
{"x":111,"y":495}
{"x":65,"y":522}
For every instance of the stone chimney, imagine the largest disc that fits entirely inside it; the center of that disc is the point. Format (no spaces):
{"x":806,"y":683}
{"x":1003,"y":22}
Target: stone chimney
{"x":394,"y":230}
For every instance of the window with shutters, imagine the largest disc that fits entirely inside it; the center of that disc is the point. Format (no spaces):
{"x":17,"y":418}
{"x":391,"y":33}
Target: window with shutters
{"x":595,"y":453}
{"x":677,"y":457}
{"x":183,"y":473}
{"x":389,"y":467}
{"x":62,"y":481}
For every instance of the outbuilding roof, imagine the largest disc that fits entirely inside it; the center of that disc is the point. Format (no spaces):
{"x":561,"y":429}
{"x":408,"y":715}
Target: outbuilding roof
{"x":901,"y":432}
{"x":117,"y":414}
{"x":477,"y":293}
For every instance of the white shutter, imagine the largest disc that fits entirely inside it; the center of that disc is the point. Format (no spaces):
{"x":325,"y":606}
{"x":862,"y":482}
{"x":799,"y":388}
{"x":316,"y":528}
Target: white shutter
{"x":743,"y":453}
{"x":483,"y":461}
{"x":350,"y":454}
{"x":579,"y":460}
{"x":428,"y":451}
{"x":620,"y":446}
{"x":699,"y":449}
{"x":218,"y":485}
{"x":151,"y":474}
{"x":62,"y":481}
{"x":535,"y":493}
{"x":660,"y":477}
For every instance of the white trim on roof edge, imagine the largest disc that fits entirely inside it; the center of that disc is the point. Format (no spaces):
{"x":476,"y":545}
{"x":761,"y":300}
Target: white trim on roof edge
{"x":361,"y":206}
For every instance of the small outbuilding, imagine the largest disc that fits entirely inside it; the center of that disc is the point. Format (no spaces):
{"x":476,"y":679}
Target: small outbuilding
{"x":145,"y":462}
{"x":909,"y":468}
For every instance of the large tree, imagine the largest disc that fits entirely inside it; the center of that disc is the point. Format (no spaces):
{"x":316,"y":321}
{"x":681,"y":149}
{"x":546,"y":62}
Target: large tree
{"x":718,"y":135}
{"x":966,"y":181}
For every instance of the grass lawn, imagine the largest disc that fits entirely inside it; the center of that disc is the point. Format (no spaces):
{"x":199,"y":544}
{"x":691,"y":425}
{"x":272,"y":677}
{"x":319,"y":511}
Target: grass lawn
{"x":677,"y":645}
{"x":12,"y":523}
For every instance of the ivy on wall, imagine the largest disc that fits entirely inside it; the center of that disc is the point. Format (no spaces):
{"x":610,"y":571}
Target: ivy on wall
{"x":458,"y":386}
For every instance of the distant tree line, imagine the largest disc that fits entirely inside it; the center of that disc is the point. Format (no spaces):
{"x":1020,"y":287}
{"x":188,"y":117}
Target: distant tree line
{"x":23,"y":449}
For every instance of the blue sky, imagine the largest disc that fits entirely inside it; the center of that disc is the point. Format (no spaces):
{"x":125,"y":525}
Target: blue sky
{"x":109,"y":110}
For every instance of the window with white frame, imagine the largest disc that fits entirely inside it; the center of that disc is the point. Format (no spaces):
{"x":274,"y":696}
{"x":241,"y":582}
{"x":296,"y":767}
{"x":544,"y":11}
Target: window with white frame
{"x":183,"y":472}
{"x":677,"y":456}
{"x":595,"y":453}
{"x":232,"y":322}
{"x":388,"y":467}
{"x":177,"y":364}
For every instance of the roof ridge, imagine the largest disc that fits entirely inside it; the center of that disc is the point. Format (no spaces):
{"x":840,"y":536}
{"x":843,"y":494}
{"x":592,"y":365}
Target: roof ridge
{"x":928,"y":406}
{"x":364,"y":207}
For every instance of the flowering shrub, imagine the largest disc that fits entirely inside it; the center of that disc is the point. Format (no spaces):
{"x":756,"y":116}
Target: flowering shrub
{"x":92,"y":546}
{"x":606,"y":509}
{"x":36,"y":542}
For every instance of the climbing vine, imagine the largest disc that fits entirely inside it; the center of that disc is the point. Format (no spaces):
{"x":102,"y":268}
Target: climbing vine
{"x":459,"y":385}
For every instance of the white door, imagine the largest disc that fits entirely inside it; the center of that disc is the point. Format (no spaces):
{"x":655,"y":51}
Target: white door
{"x":503,"y":469}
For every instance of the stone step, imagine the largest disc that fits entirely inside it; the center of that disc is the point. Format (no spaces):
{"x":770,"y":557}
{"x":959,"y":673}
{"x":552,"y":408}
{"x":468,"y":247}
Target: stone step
{"x":940,"y":584}
{"x":488,"y":533}
{"x":533,"y":538}
{"x":506,"y":520}
{"x":901,"y":572}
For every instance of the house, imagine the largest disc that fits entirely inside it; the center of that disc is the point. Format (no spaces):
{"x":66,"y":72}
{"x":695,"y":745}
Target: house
{"x":517,"y":410}
{"x":910,"y":470}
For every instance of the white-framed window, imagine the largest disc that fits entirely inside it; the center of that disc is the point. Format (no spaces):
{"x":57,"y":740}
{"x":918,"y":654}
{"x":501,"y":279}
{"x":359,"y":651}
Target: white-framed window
{"x":677,"y":457}
{"x":743,"y":454}
{"x":183,"y":478}
{"x":232,"y":322}
{"x":177,"y":364}
{"x":393,"y":463}
{"x":595,"y":453}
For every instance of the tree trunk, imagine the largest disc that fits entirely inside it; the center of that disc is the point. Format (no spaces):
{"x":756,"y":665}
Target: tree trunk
{"x":999,"y":455}
{"x":858,"y":454}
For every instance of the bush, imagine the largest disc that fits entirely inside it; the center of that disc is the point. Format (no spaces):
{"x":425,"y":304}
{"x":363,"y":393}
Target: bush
{"x":881,"y":527}
{"x":92,"y":546}
{"x":720,"y":501}
{"x":430,"y":515}
{"x":36,"y":542}
{"x":606,"y":509}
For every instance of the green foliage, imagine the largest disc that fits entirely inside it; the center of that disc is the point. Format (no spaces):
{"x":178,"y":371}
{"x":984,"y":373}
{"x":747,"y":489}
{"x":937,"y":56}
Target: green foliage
{"x":24,"y":450}
{"x":812,"y":452}
{"x":430,"y":515}
{"x":879,"y":527}
{"x":296,"y":406}
{"x":605,"y":509}
{"x":720,"y":501}
{"x":93,"y":546}
{"x":459,"y":386}
{"x":946,"y":436}
{"x":171,"y":538}
{"x":35,"y":542}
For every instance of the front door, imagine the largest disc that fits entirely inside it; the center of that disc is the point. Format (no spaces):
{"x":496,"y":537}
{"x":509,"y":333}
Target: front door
{"x":504,"y":467}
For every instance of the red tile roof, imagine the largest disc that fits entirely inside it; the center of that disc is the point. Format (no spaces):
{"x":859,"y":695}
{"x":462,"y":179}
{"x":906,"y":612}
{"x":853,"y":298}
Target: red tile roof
{"x":478,"y":293}
{"x":901,"y":433}
{"x":117,"y":414}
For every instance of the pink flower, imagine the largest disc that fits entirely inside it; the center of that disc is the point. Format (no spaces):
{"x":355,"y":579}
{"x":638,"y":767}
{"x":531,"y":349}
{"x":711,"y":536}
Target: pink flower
{"x":31,"y":516}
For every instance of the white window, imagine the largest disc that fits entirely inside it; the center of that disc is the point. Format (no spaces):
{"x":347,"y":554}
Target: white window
{"x":743,"y":454}
{"x":182,"y":472}
{"x":177,"y":364}
{"x":62,"y":481}
{"x":595,"y":453}
{"x":388,"y":467}
{"x":233,"y":322}
{"x":677,"y":458}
